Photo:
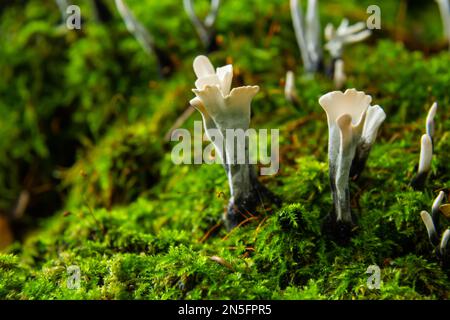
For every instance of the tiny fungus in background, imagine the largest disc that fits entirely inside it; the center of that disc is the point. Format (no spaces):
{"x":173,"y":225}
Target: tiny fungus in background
{"x":308,"y":34}
{"x":352,"y":125}
{"x":205,"y":28}
{"x":444,"y":8}
{"x":426,"y":155}
{"x":339,"y":76}
{"x":432,"y":224}
{"x":426,"y":151}
{"x":224,"y":110}
{"x":145,"y":39}
{"x":290,"y":90}
{"x":343,"y":35}
{"x":430,"y":120}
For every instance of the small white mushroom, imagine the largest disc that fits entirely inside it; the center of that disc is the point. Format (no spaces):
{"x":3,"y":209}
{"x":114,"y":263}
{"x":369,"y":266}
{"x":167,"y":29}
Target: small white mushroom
{"x":351,"y":123}
{"x":344,"y":34}
{"x":426,"y":154}
{"x":430,"y":120}
{"x":429,"y":224}
{"x":339,"y":74}
{"x":338,"y":38}
{"x":444,"y":8}
{"x":221,"y":107}
{"x":436,"y":205}
{"x":444,"y":242}
{"x":313,"y":33}
{"x":307,"y":34}
{"x":426,"y":151}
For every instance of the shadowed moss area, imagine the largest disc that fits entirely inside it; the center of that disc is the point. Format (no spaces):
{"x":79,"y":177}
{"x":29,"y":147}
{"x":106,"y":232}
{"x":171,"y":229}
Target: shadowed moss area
{"x":92,"y":123}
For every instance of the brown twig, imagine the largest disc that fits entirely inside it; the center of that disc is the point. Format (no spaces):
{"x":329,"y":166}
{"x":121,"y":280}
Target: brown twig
{"x":210,"y":231}
{"x":240,"y":224}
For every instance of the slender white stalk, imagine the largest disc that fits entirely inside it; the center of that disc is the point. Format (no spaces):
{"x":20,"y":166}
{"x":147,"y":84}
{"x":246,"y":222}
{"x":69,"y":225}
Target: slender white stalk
{"x":212,"y":15}
{"x":444,"y":242}
{"x":313,"y":33}
{"x":203,"y":28}
{"x":349,"y":136}
{"x":426,"y":154}
{"x":351,"y":122}
{"x":136,"y":28}
{"x":344,"y":34}
{"x":225,"y":110}
{"x":339,"y":74}
{"x":428,"y":222}
{"x":430,"y":120}
{"x":298,"y":24}
{"x":444,"y":8}
{"x":436,"y":205}
{"x":290,"y":91}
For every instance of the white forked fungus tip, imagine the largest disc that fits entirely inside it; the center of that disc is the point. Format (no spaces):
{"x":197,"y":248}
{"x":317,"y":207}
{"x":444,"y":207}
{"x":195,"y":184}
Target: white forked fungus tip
{"x":430,"y":120}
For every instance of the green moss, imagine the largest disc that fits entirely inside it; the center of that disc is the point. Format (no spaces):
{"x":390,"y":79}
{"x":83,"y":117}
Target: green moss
{"x":139,"y":227}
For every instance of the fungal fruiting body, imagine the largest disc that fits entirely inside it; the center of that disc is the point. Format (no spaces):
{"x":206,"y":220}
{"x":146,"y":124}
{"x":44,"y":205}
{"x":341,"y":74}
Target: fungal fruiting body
{"x":430,"y":120}
{"x":344,"y":34}
{"x":426,"y":155}
{"x":374,"y":118}
{"x":338,"y":38}
{"x":224,"y":112}
{"x":444,"y":8}
{"x":307,"y":34}
{"x":339,"y":76}
{"x":352,"y":125}
{"x":426,"y":150}
{"x":431,"y":222}
{"x":205,"y":28}
{"x":290,"y":91}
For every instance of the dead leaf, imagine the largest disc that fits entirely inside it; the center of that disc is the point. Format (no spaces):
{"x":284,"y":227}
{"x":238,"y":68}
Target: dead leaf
{"x":445,"y":210}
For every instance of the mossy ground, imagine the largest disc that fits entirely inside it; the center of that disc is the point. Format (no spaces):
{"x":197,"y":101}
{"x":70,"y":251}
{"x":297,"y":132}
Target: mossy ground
{"x":140,"y":227}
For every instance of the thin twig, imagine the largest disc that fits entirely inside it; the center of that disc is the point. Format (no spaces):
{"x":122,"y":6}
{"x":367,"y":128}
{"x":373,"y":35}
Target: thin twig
{"x":240,"y":224}
{"x":210,"y":231}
